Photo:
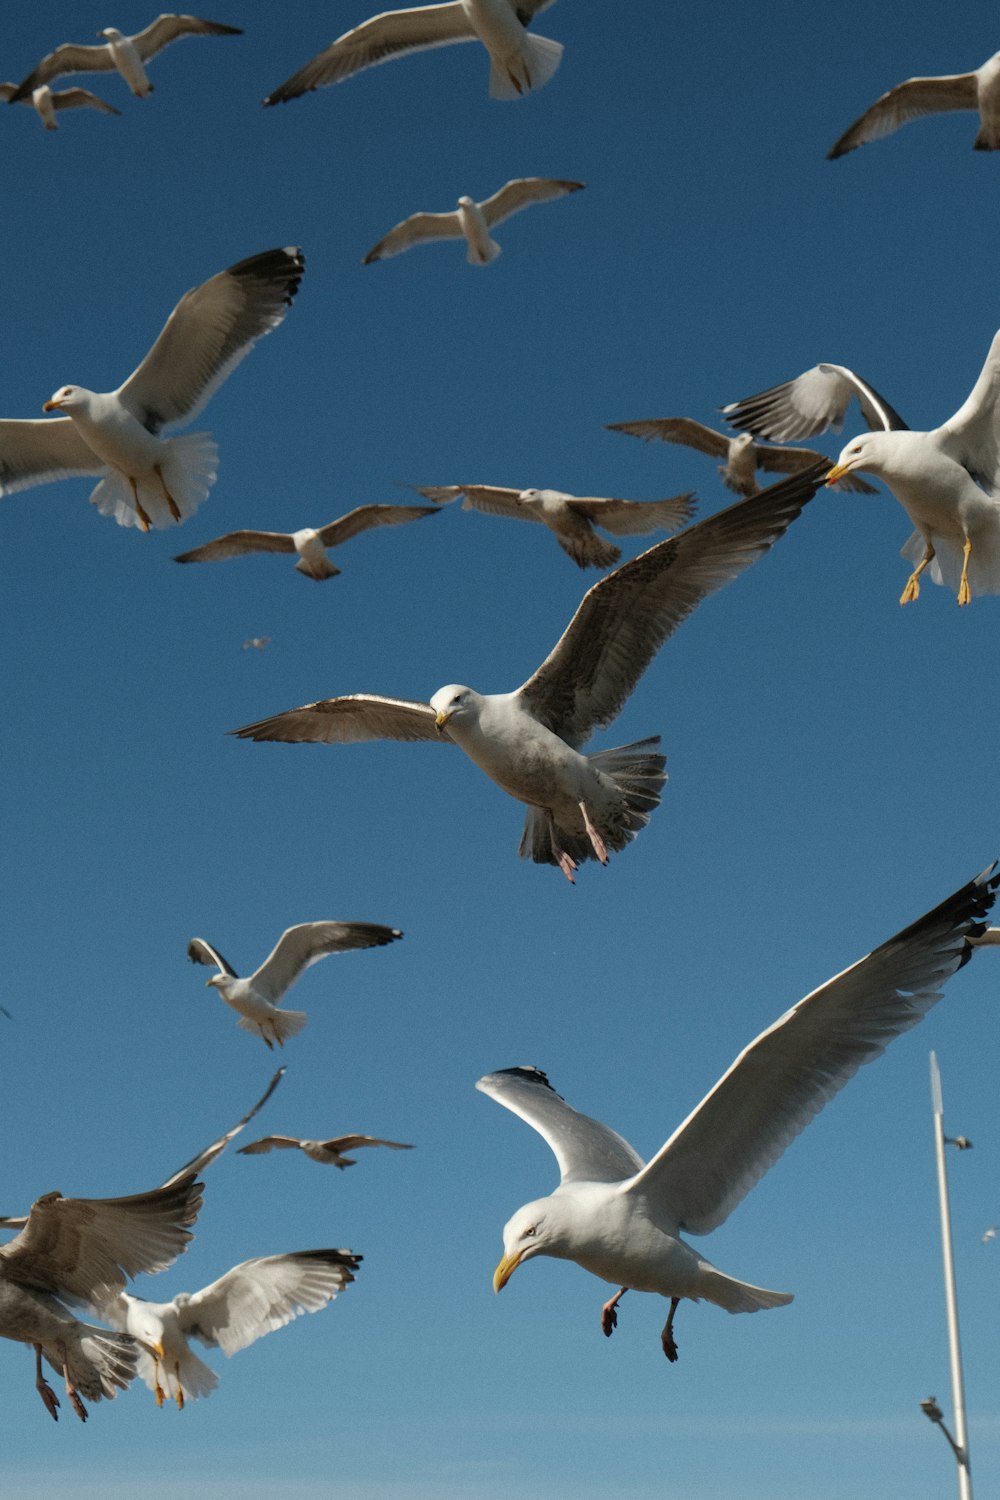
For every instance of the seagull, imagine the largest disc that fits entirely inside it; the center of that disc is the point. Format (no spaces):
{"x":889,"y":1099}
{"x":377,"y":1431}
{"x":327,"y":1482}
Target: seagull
{"x":527,"y":741}
{"x":518,"y":62}
{"x":979,"y":90}
{"x":120,"y":53}
{"x":620,"y":1218}
{"x":743,"y":457}
{"x":151,"y":480}
{"x":947,"y":480}
{"x":472,"y":221}
{"x":83,"y":1250}
{"x":330,"y":1153}
{"x":46,"y":103}
{"x":990,"y":1234}
{"x":254,"y":642}
{"x":252,"y":1299}
{"x":309,"y":543}
{"x":572,"y":518}
{"x":256,"y":997}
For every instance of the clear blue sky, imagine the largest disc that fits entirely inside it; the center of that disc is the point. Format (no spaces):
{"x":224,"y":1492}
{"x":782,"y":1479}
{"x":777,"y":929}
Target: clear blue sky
{"x":832,"y":757}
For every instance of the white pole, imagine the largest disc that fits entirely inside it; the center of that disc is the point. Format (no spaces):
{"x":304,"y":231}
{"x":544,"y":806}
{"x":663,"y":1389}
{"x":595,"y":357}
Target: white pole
{"x":961,"y":1443}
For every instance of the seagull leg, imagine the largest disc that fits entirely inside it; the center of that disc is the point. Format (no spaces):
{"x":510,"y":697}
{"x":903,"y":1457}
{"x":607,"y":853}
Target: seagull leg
{"x":71,"y":1391}
{"x":48,"y":1395}
{"x":144,"y":520}
{"x":912,"y":590}
{"x":609,"y":1313}
{"x":169,"y":497}
{"x":667,"y":1336}
{"x":964,"y":592}
{"x":598,"y":845}
{"x":179,"y":1398}
{"x":265,"y":1038}
{"x":158,"y":1390}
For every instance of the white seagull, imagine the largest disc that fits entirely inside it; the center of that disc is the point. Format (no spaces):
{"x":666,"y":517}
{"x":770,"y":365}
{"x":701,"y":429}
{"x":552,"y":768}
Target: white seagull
{"x":979,"y":90}
{"x":120,"y":53}
{"x":472,"y":221}
{"x":252,"y":1299}
{"x":527,"y":741}
{"x":310,"y":543}
{"x":256,"y":997}
{"x":329,"y":1153}
{"x":519,"y":62}
{"x":150,"y":480}
{"x":47,"y":103}
{"x":82,"y":1250}
{"x":572,"y":518}
{"x":947,"y":480}
{"x":621,"y":1218}
{"x":743,"y":457}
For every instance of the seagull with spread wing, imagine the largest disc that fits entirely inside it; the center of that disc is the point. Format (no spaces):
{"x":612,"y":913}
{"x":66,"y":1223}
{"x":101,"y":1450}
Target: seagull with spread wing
{"x":329,"y":1153}
{"x":527,"y":741}
{"x":621,"y":1218}
{"x":947,"y":480}
{"x":309,"y":543}
{"x":119,"y":53}
{"x":150,"y":479}
{"x":82,"y":1250}
{"x":472,"y":221}
{"x":252,"y":1299}
{"x":978,"y":90}
{"x":47,"y":102}
{"x":519,"y":62}
{"x":256,"y":997}
{"x":572,"y":519}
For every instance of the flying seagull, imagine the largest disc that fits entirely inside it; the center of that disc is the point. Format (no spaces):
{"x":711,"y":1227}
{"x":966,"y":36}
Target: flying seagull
{"x":252,"y":1299}
{"x":978,"y":90}
{"x":46,"y":103}
{"x":621,"y":1218}
{"x":254,"y":642}
{"x":119,"y":53}
{"x":572,"y":518}
{"x":309,"y":543}
{"x":947,"y":480}
{"x":74,"y":1250}
{"x":527,"y":741}
{"x":330,"y":1153}
{"x":518,"y":62}
{"x":256,"y":997}
{"x":151,"y":480}
{"x":743,"y":457}
{"x":472,"y":221}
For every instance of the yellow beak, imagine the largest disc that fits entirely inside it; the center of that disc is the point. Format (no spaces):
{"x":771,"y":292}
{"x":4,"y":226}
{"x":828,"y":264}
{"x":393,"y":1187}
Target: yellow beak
{"x":837,"y":472}
{"x":441,"y":718}
{"x":505,"y":1270}
{"x":52,"y":406}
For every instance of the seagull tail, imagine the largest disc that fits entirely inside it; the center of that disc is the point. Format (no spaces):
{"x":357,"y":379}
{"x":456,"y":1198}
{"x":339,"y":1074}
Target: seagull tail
{"x":98,"y":1363}
{"x":638,"y":772}
{"x":190,"y":1376}
{"x":318,"y":568}
{"x":519,"y":73}
{"x":737,"y":1296}
{"x":278,"y":1027}
{"x":476,"y":258}
{"x":189,"y":467}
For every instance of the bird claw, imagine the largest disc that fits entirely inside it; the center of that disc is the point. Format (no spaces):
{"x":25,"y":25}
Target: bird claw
{"x":77,"y":1405}
{"x":669,"y":1346}
{"x":49,"y":1399}
{"x":609,"y":1319}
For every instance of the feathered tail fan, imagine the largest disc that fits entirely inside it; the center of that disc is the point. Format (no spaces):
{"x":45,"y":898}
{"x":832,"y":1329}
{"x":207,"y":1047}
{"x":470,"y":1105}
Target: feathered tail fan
{"x":638,"y":771}
{"x":189,"y":468}
{"x":519,"y":74}
{"x":280,"y":1026}
{"x":476,"y":259}
{"x":318,"y":568}
{"x":737,"y":1296}
{"x":98,"y":1363}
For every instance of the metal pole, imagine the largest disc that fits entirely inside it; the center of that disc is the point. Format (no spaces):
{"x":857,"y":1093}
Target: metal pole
{"x":961,"y":1442}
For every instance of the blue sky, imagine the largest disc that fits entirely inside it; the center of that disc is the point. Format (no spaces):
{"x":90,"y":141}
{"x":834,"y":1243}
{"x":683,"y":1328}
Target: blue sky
{"x":832,"y":757}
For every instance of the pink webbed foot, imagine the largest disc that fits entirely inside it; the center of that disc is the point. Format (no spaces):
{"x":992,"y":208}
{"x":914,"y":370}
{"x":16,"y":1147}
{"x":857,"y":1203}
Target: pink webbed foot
{"x":609,"y":1313}
{"x":667,"y":1336}
{"x":598,"y":845}
{"x":49,"y":1398}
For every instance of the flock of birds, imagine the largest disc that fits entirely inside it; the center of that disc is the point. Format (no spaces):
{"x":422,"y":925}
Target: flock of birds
{"x":614,"y":1214}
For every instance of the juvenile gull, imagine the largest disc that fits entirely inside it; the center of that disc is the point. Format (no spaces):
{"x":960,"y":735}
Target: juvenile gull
{"x":252,"y":1299}
{"x":472,"y":221}
{"x":947,"y":480}
{"x":256,"y":997}
{"x":119,"y":53}
{"x":330,"y":1153}
{"x":572,"y":518}
{"x":518,"y":62}
{"x":151,"y":480}
{"x":46,"y":103}
{"x":527,"y":741}
{"x":309,"y":543}
{"x":743,"y":457}
{"x":621,"y":1218}
{"x":979,"y":90}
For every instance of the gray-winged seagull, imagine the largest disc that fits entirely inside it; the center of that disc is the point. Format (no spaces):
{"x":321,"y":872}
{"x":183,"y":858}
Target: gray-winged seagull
{"x":330,"y":1153}
{"x":120,"y":53}
{"x":310,"y":543}
{"x":472,"y":221}
{"x":979,"y":90}
{"x":46,"y":102}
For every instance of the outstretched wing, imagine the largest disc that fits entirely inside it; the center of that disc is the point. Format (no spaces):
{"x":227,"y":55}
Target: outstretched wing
{"x":170,"y":28}
{"x":238,"y":544}
{"x":972,"y":435}
{"x":586,"y":1150}
{"x":418,"y":229}
{"x":636,"y":517}
{"x":308,"y":942}
{"x":200,"y":952}
{"x":69,"y":58}
{"x":521,"y":192}
{"x":205,"y":1158}
{"x":264,"y":1294}
{"x":39,"y":451}
{"x":813,"y":402}
{"x":369,"y":518}
{"x":684,"y":430}
{"x":907,"y":101}
{"x":343,"y":721}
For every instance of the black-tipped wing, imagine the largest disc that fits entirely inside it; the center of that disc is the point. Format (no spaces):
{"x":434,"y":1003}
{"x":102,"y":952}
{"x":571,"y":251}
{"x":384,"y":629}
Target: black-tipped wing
{"x":370,"y":518}
{"x":521,"y":192}
{"x":70,"y":58}
{"x":348,"y":720}
{"x":684,"y":430}
{"x":972,"y":435}
{"x":813,"y":402}
{"x":308,"y":942}
{"x":238,"y":544}
{"x":39,"y":451}
{"x":205,"y":1158}
{"x":264,"y":1294}
{"x":636,"y":517}
{"x":586,"y":1150}
{"x":418,"y":229}
{"x":908,"y":101}
{"x":200,"y":952}
{"x":170,"y":27}
{"x":784,"y":1078}
{"x":82,"y":99}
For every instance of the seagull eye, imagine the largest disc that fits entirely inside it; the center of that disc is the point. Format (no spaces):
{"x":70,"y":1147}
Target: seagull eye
{"x":529,"y":1232}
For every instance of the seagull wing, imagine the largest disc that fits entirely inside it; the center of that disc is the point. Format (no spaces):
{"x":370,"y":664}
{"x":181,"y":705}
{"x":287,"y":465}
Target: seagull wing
{"x":784,"y":1078}
{"x":200,"y":952}
{"x":270,"y":1143}
{"x":347,"y":720}
{"x":418,"y":229}
{"x":303,"y":945}
{"x":972,"y":435}
{"x":625,"y":618}
{"x":493,"y":500}
{"x":369,"y":518}
{"x":378,"y":40}
{"x":586,"y":1150}
{"x":85,"y":1248}
{"x":676,"y":430}
{"x":80,"y":99}
{"x":521,"y":192}
{"x":356,"y":1142}
{"x":205,"y":1158}
{"x":636,"y":517}
{"x":36,"y":452}
{"x":170,"y":28}
{"x":813,"y":402}
{"x":238,"y":544}
{"x":908,"y":101}
{"x":441,"y":494}
{"x":261,"y":1295}
{"x":210,"y":330}
{"x":70,"y":58}
{"x":784,"y":460}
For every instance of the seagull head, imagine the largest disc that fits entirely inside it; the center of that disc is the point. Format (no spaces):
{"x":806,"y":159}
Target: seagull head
{"x":454,"y":702}
{"x":864,"y":452}
{"x":536,"y":1229}
{"x":112,"y":34}
{"x":67,"y":398}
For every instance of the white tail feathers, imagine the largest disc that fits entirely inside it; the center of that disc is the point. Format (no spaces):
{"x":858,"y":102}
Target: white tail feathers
{"x":318,"y":568}
{"x":189,"y":467}
{"x":946,"y":567}
{"x":277,"y":1028}
{"x":98,"y":1363}
{"x":519,"y":73}
{"x":476,"y":259}
{"x":737,"y":1296}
